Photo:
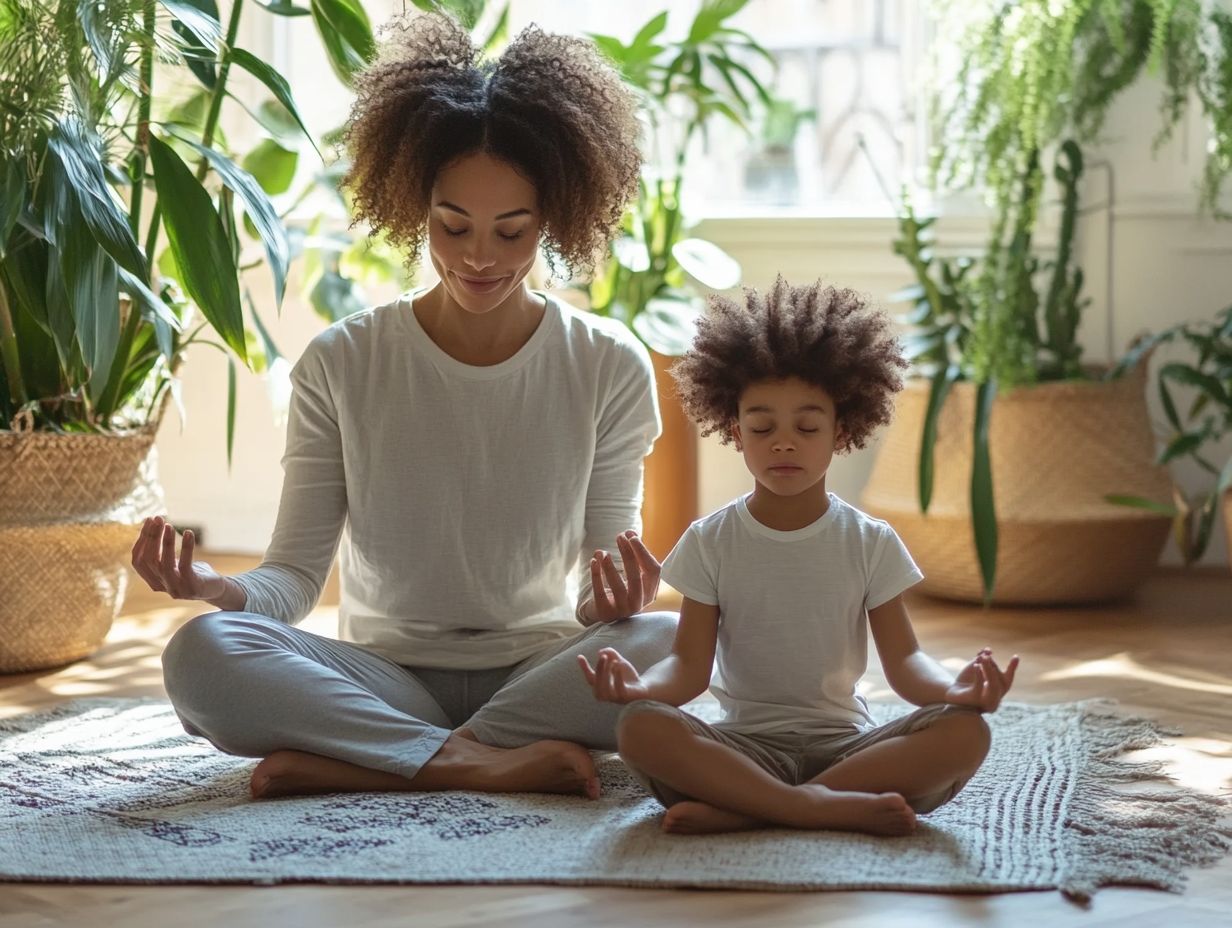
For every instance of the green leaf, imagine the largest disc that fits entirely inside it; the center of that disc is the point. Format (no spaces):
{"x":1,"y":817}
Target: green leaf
{"x":346,"y":34}
{"x":1183,"y":444}
{"x":277,"y":120}
{"x":710,"y":18}
{"x":272,"y":166}
{"x":1182,"y":373}
{"x":668,"y":325}
{"x":937,"y":392}
{"x":910,"y":293}
{"x":610,"y":46}
{"x":199,"y":17}
{"x":1139,"y":502}
{"x":231,"y":394}
{"x":199,"y":244}
{"x":1165,"y":399}
{"x":258,"y":207}
{"x":284,"y":8}
{"x":39,"y":356}
{"x":277,"y":85}
{"x":631,"y":254}
{"x":983,"y":506}
{"x":647,"y":34}
{"x":335,"y":297}
{"x":199,"y":53}
{"x":12,"y":198}
{"x":93,"y":296}
{"x":708,"y":263}
{"x":107,"y":222}
{"x":33,"y":277}
{"x":156,"y":311}
{"x":499,"y":34}
{"x":758,"y":87}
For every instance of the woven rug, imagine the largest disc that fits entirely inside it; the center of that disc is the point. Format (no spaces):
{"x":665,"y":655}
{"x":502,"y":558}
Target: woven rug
{"x":112,"y":790}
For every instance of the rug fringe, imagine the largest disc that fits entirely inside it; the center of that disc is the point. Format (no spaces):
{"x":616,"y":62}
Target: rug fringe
{"x":1143,"y":837}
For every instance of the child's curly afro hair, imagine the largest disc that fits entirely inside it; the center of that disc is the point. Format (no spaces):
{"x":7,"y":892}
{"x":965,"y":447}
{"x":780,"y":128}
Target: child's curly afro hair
{"x":550,"y":106}
{"x":825,"y":336}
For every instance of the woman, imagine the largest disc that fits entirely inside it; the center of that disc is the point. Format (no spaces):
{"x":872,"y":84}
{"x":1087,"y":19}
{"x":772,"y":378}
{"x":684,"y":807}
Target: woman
{"x":462,"y":445}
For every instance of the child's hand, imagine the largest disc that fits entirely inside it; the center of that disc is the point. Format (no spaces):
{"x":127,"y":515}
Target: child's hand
{"x":613,"y":678}
{"x":982,"y":684}
{"x":611,"y":599}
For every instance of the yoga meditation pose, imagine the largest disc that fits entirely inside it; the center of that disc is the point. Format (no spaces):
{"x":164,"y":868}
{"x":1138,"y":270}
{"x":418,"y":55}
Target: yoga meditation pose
{"x":467,"y":448}
{"x":781,"y":586}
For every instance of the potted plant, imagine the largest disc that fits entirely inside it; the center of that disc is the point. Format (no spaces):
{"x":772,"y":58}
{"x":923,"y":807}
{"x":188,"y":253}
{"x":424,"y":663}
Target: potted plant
{"x":98,"y":166}
{"x":770,"y":171}
{"x":647,"y":279}
{"x":1206,"y":422}
{"x":1034,"y":82}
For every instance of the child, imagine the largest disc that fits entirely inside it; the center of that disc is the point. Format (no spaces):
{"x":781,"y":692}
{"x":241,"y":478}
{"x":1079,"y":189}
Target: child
{"x":777,"y":585}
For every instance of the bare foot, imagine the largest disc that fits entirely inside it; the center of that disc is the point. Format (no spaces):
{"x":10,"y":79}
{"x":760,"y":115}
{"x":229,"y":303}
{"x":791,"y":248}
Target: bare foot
{"x":872,"y":813}
{"x":542,"y":767}
{"x":298,"y":773}
{"x":700,"y":818}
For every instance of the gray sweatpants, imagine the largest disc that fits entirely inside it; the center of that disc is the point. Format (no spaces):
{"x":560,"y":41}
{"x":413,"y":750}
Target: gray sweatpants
{"x":253,"y":685}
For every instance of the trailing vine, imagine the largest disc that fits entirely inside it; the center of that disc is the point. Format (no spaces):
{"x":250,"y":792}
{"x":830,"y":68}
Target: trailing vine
{"x":1030,"y":74}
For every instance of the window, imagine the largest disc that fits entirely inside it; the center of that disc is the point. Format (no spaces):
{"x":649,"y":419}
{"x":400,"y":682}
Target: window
{"x":846,"y":79}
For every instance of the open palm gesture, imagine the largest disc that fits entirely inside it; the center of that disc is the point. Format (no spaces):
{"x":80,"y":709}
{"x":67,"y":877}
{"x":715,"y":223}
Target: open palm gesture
{"x":614,"y":597}
{"x":154,"y":558}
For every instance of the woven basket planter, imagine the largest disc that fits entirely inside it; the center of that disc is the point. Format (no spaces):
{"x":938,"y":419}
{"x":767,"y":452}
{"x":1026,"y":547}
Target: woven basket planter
{"x":70,"y":508}
{"x":1056,"y":450}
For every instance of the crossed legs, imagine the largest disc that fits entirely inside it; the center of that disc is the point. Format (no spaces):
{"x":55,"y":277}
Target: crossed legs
{"x":878,"y":789}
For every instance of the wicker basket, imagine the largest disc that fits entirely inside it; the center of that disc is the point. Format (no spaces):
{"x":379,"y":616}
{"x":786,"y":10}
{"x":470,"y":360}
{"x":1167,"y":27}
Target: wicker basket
{"x":70,"y":506}
{"x":1056,"y":450}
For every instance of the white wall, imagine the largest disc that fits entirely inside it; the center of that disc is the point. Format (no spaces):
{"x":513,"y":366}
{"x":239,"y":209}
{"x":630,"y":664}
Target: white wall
{"x":1167,"y":265}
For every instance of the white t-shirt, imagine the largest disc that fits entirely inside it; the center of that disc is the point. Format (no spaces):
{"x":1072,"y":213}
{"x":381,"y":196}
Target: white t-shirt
{"x":793,"y":612}
{"x":462,"y":496}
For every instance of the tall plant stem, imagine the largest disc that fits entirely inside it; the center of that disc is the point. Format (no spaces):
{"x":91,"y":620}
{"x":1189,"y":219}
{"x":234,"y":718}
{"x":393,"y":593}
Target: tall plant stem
{"x":220,"y":85}
{"x":8,"y":351}
{"x":137,"y":173}
{"x":212,"y":116}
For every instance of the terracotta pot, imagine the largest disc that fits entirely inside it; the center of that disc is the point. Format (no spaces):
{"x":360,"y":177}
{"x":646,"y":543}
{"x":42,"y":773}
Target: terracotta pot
{"x":1227,"y":522}
{"x":1057,"y":449}
{"x":671,"y":469}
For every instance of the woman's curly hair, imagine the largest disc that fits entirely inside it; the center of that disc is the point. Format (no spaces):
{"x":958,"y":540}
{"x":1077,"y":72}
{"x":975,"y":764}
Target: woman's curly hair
{"x":825,"y":336}
{"x":550,"y":105}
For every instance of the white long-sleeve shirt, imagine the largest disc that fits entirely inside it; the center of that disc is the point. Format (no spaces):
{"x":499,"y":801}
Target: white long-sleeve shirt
{"x":462,"y":496}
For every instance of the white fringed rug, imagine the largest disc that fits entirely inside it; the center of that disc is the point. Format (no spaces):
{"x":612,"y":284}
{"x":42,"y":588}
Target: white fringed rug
{"x":112,"y":790}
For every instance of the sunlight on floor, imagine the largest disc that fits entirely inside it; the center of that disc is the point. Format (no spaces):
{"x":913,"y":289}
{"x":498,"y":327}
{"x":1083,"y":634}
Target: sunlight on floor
{"x":1122,"y":665}
{"x":1201,"y":764}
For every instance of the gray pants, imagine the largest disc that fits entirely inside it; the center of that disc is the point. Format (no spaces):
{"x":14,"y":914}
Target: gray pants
{"x":797,"y":759}
{"x":253,"y":685}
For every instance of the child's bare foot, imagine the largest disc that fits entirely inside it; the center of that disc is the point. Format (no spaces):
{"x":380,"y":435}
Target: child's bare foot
{"x":873,"y":813}
{"x":700,"y":818}
{"x":542,"y":767}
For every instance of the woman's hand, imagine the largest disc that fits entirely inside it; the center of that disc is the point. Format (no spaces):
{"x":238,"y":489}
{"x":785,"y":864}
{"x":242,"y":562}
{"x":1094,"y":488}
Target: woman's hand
{"x":154,"y":559}
{"x":613,"y":597}
{"x":613,"y":678}
{"x":982,"y":684}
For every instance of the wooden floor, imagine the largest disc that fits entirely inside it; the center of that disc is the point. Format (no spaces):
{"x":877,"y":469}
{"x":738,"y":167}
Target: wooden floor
{"x":1167,"y":654}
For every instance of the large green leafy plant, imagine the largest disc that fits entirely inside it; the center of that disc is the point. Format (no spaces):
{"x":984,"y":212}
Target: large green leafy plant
{"x":1033,"y":82}
{"x":111,"y":143}
{"x":1207,"y":373}
{"x":709,"y":74}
